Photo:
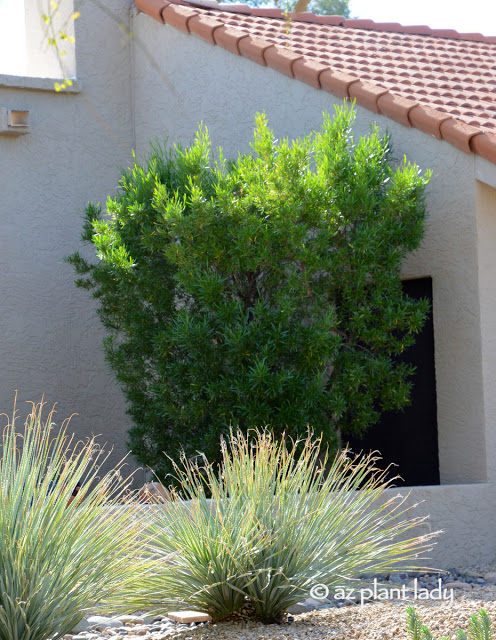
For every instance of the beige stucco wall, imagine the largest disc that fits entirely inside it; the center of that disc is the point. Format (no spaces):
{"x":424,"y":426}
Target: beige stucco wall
{"x":206,"y":83}
{"x":50,"y":336}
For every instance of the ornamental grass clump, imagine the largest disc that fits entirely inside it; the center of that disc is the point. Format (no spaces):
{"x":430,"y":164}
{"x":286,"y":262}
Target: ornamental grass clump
{"x":282,"y":518}
{"x":62,"y":556}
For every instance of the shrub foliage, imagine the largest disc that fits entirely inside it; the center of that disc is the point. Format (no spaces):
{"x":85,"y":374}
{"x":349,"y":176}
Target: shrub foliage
{"x":264,"y":291}
{"x":276,"y":526}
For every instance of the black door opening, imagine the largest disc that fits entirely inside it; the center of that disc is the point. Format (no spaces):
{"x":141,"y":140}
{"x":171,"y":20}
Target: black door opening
{"x":409,"y":438}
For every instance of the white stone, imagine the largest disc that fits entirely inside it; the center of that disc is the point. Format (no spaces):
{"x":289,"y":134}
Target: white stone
{"x":186,"y":617}
{"x":102,"y":622}
{"x":129,"y":620}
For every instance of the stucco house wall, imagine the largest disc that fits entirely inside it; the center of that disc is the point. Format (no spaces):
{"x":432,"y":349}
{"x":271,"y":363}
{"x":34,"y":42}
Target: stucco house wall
{"x":160,"y":86}
{"x":50,"y":336}
{"x":207,"y":83}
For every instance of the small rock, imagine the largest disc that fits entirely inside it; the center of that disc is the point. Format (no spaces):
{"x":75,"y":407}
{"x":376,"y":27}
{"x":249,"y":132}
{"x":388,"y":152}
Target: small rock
{"x":101,"y":622}
{"x":472,"y":574}
{"x":187,"y":617}
{"x":131,"y":620}
{"x":313,"y":602}
{"x":296,"y":609}
{"x":81,"y":626}
{"x":490,"y":576}
{"x":458,"y":585}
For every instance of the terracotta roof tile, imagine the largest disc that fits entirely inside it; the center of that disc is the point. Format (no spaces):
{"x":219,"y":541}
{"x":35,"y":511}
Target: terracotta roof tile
{"x":153,"y":8}
{"x":177,"y":16}
{"x":228,"y":38}
{"x":308,"y":71}
{"x":437,"y":80}
{"x":366,"y":94}
{"x":204,"y":27}
{"x":484,"y":145}
{"x":395,"y":107}
{"x":427,"y":119}
{"x":253,"y":48}
{"x":281,"y":59}
{"x":458,"y":133}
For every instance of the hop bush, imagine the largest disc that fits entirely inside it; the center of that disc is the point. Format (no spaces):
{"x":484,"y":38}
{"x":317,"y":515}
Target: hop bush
{"x":264,"y":291}
{"x":281,"y":519}
{"x":62,"y":556}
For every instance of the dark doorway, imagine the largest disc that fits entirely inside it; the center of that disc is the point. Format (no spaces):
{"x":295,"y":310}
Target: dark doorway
{"x":409,"y":438}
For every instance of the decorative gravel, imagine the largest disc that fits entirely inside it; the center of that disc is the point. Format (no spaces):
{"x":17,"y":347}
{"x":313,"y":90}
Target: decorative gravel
{"x":473,"y":589}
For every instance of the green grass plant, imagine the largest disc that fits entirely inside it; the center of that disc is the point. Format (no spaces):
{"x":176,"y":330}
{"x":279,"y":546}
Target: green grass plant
{"x":281,"y":519}
{"x":59,"y":558}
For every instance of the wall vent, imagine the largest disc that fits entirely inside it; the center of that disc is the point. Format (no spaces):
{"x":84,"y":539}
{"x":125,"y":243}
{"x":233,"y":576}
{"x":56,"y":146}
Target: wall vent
{"x":14,"y":122}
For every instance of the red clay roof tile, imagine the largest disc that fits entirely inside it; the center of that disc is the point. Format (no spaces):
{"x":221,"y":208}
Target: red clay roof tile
{"x":272,"y":13}
{"x":281,"y":59}
{"x":204,"y":27}
{"x":366,"y":94}
{"x":458,"y":133}
{"x":228,"y":38}
{"x":178,"y":16}
{"x":337,"y":82}
{"x":152,"y":7}
{"x":437,"y":80}
{"x":484,"y":145}
{"x":253,"y":48}
{"x":308,"y":71}
{"x":396,"y":107}
{"x":427,"y":119}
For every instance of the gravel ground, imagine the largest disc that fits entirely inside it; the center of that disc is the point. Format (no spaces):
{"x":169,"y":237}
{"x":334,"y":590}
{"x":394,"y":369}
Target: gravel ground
{"x":370,"y":622}
{"x":375,"y":621}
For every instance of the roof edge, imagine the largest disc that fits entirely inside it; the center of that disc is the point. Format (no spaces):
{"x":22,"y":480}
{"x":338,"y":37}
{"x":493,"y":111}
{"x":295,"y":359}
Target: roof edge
{"x":182,"y":16}
{"x":151,"y":6}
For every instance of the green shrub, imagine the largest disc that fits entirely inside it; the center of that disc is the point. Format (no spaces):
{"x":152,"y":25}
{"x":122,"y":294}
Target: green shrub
{"x":281,"y":520}
{"x":61,"y":558}
{"x":480,"y":627}
{"x":260,"y":292}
